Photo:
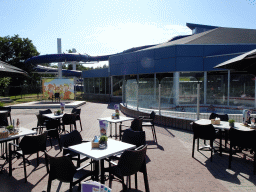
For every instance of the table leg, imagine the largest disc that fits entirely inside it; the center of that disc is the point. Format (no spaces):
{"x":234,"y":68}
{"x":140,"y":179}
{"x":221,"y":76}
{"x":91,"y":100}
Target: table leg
{"x":110,"y":129}
{"x":102,"y":172}
{"x":96,"y":171}
{"x":220,"y":142}
{"x":116,"y":130}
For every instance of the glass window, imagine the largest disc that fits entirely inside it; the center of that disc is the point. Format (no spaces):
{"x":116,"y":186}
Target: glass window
{"x":97,"y":85}
{"x":86,"y":89}
{"x":91,"y":85}
{"x":148,"y":93}
{"x":107,"y":86}
{"x":217,"y":88}
{"x":117,"y":85}
{"x":188,"y":87}
{"x":102,"y":85}
{"x":242,"y":90}
{"x":131,"y":92}
{"x":167,"y":92}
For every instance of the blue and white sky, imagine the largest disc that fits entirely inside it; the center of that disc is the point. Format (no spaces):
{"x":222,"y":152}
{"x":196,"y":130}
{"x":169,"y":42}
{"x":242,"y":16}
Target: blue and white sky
{"x":100,"y":27}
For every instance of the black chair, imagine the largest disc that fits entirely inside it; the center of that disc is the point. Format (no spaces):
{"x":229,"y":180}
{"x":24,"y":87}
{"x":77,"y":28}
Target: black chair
{"x":41,"y":123}
{"x":9,"y":112}
{"x":131,"y":162}
{"x":47,"y":111}
{"x":52,"y":127}
{"x":3,"y":119}
{"x":206,"y":132}
{"x":137,"y":138}
{"x":148,"y":121}
{"x":62,"y":169}
{"x":240,"y":140}
{"x":56,"y":96}
{"x":70,"y":139}
{"x":136,"y":125}
{"x":78,"y":115}
{"x":222,"y":117}
{"x":28,"y":146}
{"x":69,"y":119}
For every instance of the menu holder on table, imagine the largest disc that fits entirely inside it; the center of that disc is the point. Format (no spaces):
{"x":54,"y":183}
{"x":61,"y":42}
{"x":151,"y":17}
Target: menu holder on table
{"x":93,"y":186}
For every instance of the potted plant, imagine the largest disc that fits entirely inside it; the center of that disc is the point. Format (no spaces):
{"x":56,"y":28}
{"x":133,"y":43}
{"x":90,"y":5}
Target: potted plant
{"x":10,"y":128}
{"x":58,"y":112}
{"x":103,"y":141}
{"x":231,"y":122}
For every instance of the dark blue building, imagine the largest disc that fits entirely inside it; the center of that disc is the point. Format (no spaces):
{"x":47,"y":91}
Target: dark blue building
{"x":165,"y":75}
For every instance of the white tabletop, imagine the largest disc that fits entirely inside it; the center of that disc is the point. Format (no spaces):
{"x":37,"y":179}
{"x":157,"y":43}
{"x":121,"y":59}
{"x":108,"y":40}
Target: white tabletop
{"x":22,"y":132}
{"x":53,"y":116}
{"x":121,"y":119}
{"x":224,"y":125}
{"x":114,"y":147}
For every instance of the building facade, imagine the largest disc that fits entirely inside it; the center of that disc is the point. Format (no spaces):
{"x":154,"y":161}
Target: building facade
{"x":165,"y":76}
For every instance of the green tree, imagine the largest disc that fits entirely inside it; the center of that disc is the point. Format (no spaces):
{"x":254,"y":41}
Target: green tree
{"x":15,"y":51}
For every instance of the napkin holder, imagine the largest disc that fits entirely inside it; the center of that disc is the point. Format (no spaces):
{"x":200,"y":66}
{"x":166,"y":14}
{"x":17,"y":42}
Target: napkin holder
{"x":95,"y":144}
{"x":215,"y":121}
{"x":4,"y":135}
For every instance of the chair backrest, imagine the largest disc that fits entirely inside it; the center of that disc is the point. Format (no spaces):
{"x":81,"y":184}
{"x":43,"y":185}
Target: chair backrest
{"x":223,"y":117}
{"x":243,"y":139}
{"x":33,"y":144}
{"x":136,"y":124}
{"x":213,"y":116}
{"x":6,"y":109}
{"x":152,"y":115}
{"x":203,"y":131}
{"x":40,"y":120}
{"x":61,"y":168}
{"x":76,"y":111}
{"x":137,"y":138}
{"x":68,"y":119}
{"x":131,"y":161}
{"x":3,"y":119}
{"x":53,"y":125}
{"x":47,"y":111}
{"x":56,"y":95}
{"x":72,"y":138}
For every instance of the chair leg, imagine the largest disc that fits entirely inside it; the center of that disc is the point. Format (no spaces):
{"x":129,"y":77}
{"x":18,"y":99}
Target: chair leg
{"x":153,"y":129}
{"x":70,"y":187}
{"x":49,"y":184}
{"x":136,"y":181}
{"x":193,"y":148}
{"x":145,"y":176}
{"x":230,"y":156}
{"x":211,"y":146}
{"x":37,"y":159}
{"x":81,"y":125}
{"x":110,"y":180}
{"x":24,"y":165}
{"x":124,"y":186}
{"x":10,"y":160}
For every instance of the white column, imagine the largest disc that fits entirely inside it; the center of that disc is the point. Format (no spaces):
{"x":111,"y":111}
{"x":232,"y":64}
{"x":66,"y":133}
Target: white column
{"x":59,"y":52}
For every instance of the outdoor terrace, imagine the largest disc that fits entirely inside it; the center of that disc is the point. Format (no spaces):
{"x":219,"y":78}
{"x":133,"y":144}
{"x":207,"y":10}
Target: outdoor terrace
{"x":169,"y":163}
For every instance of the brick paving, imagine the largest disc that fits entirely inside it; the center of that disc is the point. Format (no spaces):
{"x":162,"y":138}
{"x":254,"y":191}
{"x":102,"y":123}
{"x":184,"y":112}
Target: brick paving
{"x":169,"y":163}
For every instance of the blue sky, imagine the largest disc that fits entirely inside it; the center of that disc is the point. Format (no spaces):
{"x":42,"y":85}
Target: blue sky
{"x":99,"y":27}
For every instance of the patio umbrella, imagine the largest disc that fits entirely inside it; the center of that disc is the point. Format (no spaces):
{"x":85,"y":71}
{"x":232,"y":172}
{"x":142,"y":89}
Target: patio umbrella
{"x":245,"y":62}
{"x":7,"y":70}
